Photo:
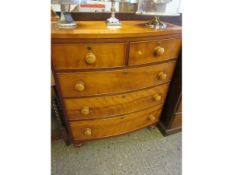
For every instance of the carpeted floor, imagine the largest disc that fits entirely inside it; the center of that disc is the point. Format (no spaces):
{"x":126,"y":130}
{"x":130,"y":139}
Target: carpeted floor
{"x":144,"y":152}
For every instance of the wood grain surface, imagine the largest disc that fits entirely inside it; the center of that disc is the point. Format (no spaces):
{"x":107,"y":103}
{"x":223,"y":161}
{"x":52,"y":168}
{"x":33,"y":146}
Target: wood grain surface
{"x":144,"y":52}
{"x":100,"y":128}
{"x":114,"y":81}
{"x":73,"y":56}
{"x":108,"y":106}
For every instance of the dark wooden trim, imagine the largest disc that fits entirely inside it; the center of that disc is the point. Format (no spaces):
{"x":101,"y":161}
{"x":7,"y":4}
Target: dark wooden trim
{"x":78,"y":16}
{"x":166,"y":131}
{"x":172,"y":100}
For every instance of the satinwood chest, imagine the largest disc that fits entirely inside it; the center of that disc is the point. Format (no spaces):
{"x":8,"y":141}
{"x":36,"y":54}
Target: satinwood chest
{"x":112,"y":81}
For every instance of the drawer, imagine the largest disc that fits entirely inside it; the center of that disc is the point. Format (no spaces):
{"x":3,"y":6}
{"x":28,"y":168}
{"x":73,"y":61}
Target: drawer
{"x":100,"y":128}
{"x":108,"y":106}
{"x":88,"y":56}
{"x":153,"y":51}
{"x":80,"y":84}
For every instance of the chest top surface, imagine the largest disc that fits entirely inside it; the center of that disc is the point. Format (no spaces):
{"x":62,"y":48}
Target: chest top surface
{"x":99,"y":29}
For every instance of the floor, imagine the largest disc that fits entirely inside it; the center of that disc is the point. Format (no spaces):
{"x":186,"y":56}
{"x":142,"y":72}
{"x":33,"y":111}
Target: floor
{"x":144,"y":152}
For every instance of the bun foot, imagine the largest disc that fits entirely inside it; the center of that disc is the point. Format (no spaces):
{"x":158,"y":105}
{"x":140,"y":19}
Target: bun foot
{"x":152,"y":127}
{"x":78,"y":144}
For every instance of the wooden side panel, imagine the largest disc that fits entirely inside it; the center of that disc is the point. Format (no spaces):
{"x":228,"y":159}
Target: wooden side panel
{"x":100,"y":128}
{"x":144,"y":52}
{"x":114,"y":81}
{"x":73,"y":56}
{"x":179,"y":108}
{"x":177,"y":122}
{"x":108,"y":106}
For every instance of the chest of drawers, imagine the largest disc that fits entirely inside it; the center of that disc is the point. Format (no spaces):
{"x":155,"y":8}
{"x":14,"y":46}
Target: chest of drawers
{"x":112,"y":81}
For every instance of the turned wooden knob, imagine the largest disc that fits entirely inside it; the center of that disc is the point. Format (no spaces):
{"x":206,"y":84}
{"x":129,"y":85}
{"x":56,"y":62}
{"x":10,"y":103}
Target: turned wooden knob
{"x":90,"y":58}
{"x":157,"y":97}
{"x":87,"y":131}
{"x":139,"y":52}
{"x":162,"y":76}
{"x":159,"y":51}
{"x":151,"y":117}
{"x":85,"y":110}
{"x":79,"y":86}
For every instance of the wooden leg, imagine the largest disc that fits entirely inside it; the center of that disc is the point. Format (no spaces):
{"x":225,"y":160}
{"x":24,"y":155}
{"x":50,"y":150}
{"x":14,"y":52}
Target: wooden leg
{"x":78,"y":144}
{"x":152,"y":126}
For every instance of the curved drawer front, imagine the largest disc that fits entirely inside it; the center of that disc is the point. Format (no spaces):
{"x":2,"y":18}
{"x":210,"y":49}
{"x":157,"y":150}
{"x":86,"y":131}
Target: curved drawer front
{"x":100,"y":128}
{"x":108,"y":106}
{"x":82,"y":84}
{"x":88,"y":56}
{"x":153,"y":51}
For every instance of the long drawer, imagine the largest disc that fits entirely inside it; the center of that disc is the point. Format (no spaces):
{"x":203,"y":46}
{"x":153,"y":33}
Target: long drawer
{"x":108,"y":106}
{"x":153,"y":51}
{"x":100,"y":128}
{"x":81,"y":84}
{"x":88,"y":55}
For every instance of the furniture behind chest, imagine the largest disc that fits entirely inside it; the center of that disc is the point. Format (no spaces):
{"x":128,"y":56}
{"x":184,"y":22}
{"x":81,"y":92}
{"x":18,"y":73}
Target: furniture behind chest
{"x":171,"y":117}
{"x":112,"y":81}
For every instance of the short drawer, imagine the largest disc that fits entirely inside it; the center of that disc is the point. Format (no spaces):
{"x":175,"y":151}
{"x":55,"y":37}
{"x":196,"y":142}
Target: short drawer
{"x":108,"y":106}
{"x":100,"y":128}
{"x":80,"y":84}
{"x":88,"y":56}
{"x":153,"y":51}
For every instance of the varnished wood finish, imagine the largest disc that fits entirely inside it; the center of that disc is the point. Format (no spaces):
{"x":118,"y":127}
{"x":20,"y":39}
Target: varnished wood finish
{"x":77,"y":56}
{"x":100,"y":128}
{"x":105,"y":89}
{"x":153,"y":51}
{"x":115,"y":81}
{"x":109,"y":106}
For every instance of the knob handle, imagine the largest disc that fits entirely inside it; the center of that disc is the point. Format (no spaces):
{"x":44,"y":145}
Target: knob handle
{"x":151,"y":117}
{"x":157,"y":97}
{"x":90,"y":58}
{"x":87,"y":131}
{"x":85,"y":110}
{"x":162,"y":76}
{"x":79,"y":86}
{"x":139,"y":52}
{"x":159,"y":51}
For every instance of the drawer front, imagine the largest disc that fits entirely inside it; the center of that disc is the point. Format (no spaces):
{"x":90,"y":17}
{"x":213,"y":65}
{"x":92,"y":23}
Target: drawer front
{"x":153,"y":51}
{"x":88,"y":56}
{"x":108,"y":106}
{"x":100,"y":128}
{"x":81,"y":84}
